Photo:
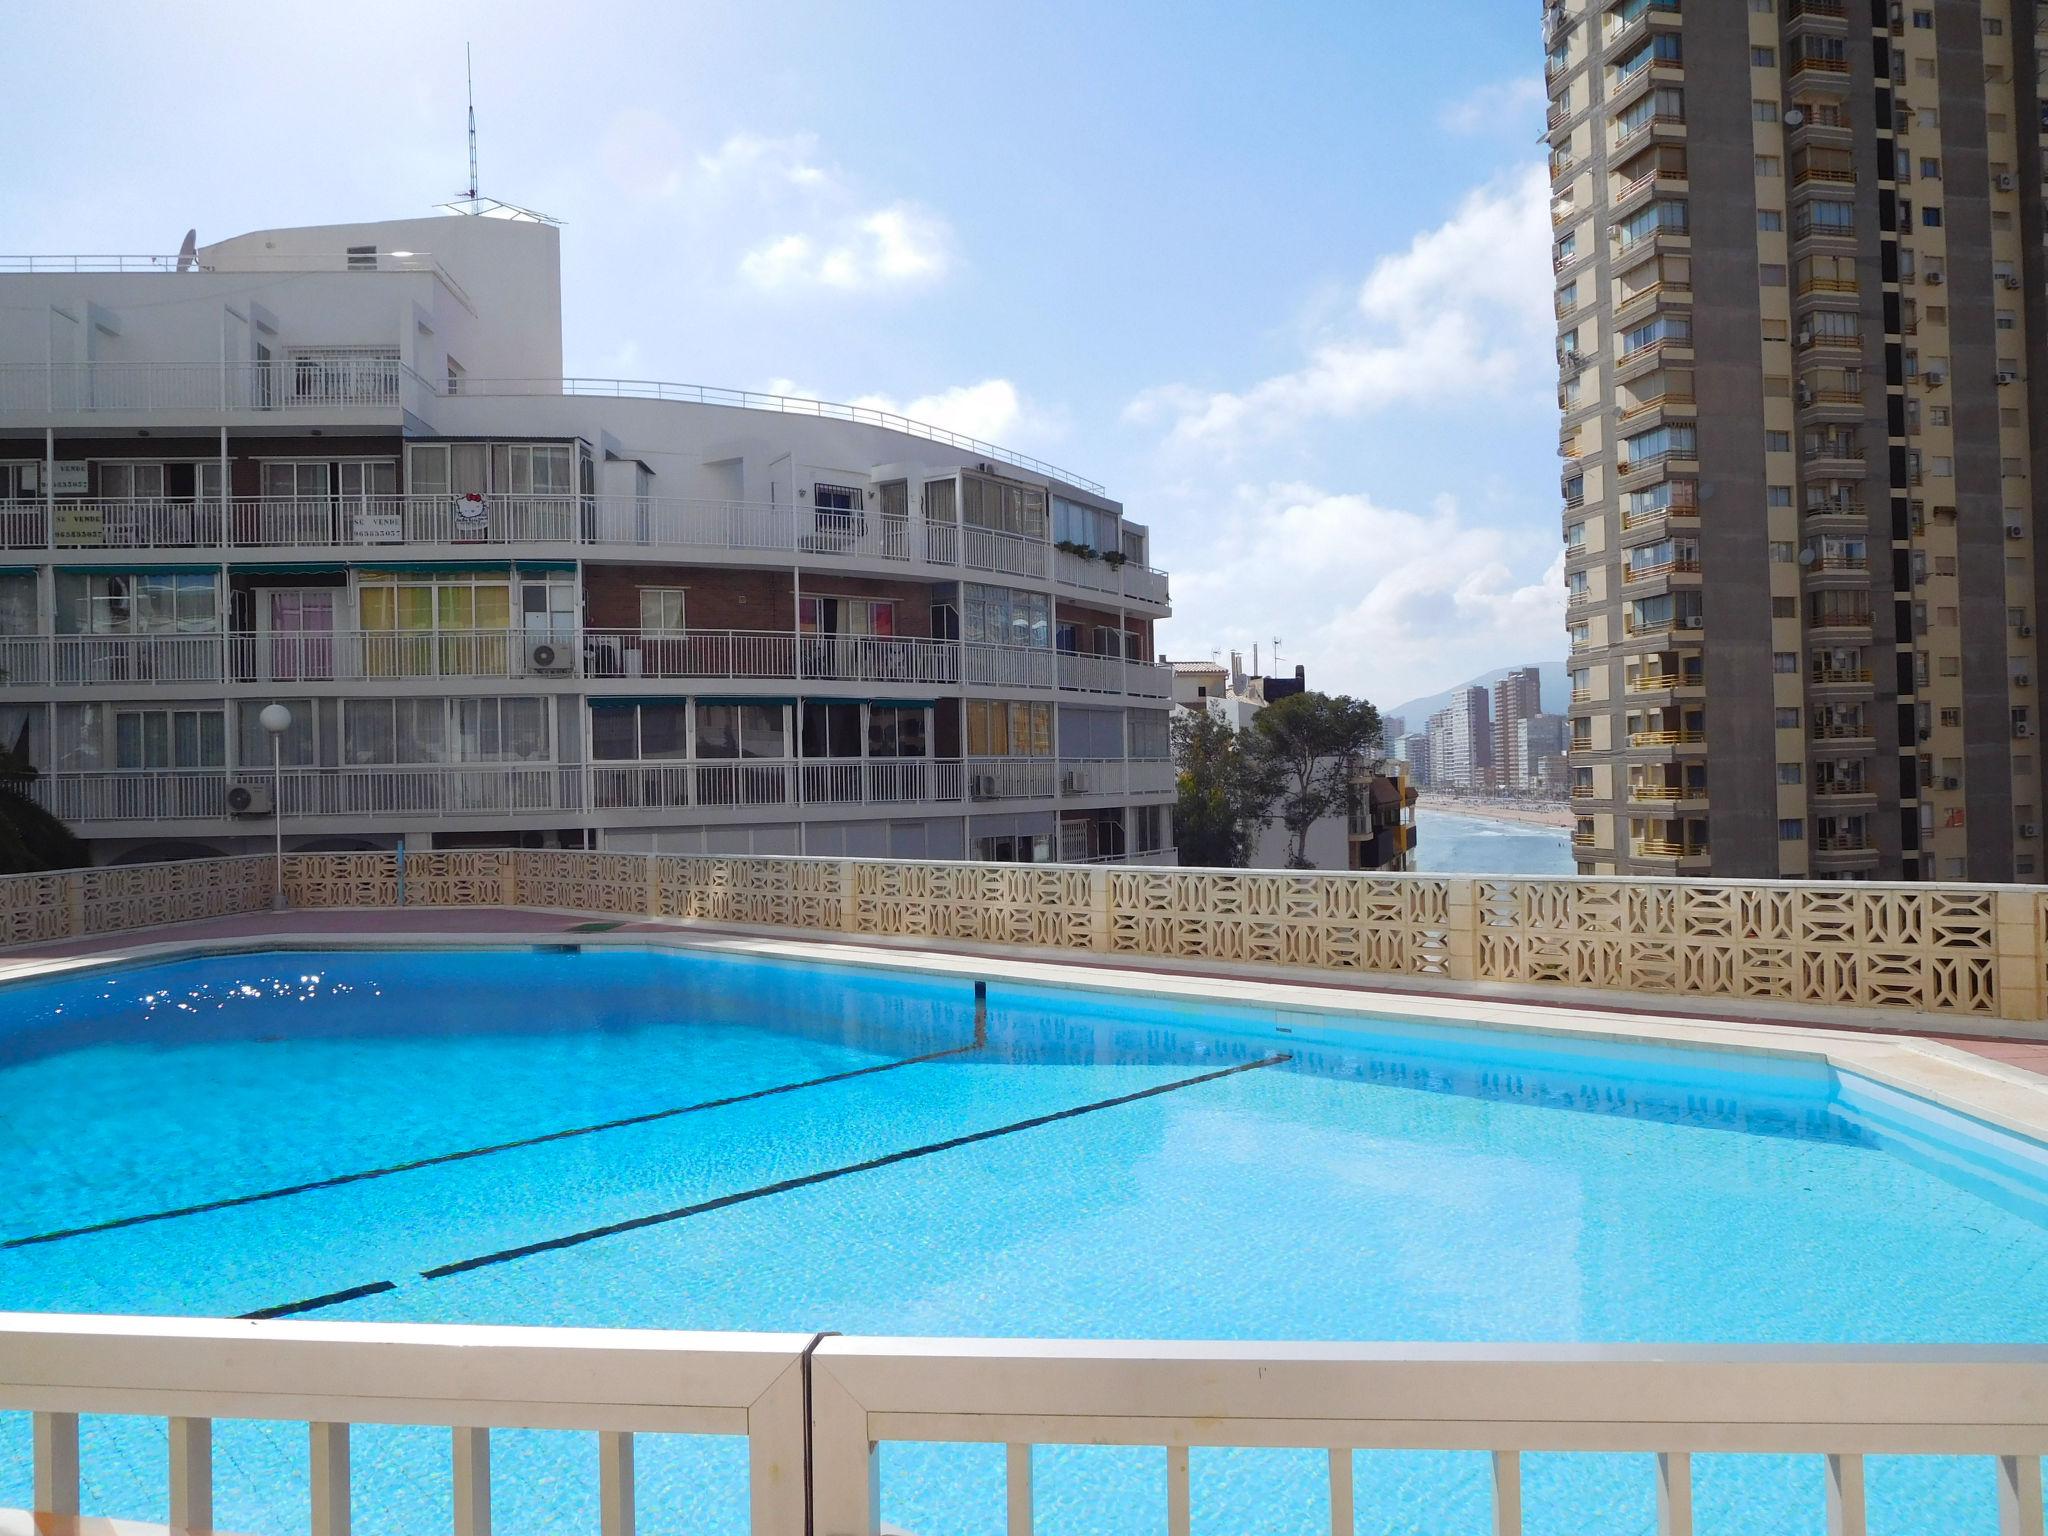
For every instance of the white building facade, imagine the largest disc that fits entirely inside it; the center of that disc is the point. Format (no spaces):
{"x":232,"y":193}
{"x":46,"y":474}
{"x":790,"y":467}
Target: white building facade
{"x":338,"y":468}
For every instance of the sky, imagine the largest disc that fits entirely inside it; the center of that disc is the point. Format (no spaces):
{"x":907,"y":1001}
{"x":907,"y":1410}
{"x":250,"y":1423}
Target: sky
{"x":1276,"y":275}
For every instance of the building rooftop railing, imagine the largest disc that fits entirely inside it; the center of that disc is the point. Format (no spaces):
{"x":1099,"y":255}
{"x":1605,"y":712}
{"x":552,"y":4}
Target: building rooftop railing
{"x":241,"y":261}
{"x":789,"y":405}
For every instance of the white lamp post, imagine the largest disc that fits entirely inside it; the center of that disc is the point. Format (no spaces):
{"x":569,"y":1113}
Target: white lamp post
{"x":276,"y":719}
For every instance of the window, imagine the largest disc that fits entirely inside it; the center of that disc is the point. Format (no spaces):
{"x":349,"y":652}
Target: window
{"x":1005,"y":616}
{"x":736,"y":729}
{"x":137,"y":603}
{"x":1779,"y":442}
{"x":1769,"y":166}
{"x":1096,"y":529}
{"x":1788,"y":718}
{"x":1786,"y":663}
{"x":384,"y":731}
{"x":846,"y":616}
{"x":1770,"y":220}
{"x":1778,"y":495}
{"x":1791,"y":830}
{"x":661,"y":610}
{"x":1771,"y":275}
{"x":1782,"y":552}
{"x":1924,"y":20}
{"x":1784,"y":608}
{"x":1645,"y":222}
{"x":655,"y":730}
{"x":1930,"y":168}
{"x":169,"y":739}
{"x":997,"y":729}
{"x":897,"y":730}
{"x":1763,"y":58}
{"x":1764,"y":111}
{"x":1931,"y":217}
{"x":1790,"y":773}
{"x":831,"y":728}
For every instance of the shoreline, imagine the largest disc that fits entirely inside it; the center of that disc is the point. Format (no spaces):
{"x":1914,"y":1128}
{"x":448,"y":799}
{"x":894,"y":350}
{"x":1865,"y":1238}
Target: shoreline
{"x":1557,"y":818}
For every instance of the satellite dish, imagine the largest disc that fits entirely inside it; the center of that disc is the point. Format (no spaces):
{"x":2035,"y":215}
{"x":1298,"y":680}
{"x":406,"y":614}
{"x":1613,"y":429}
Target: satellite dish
{"x":1794,"y":118}
{"x":188,"y":252}
{"x":1806,"y":557}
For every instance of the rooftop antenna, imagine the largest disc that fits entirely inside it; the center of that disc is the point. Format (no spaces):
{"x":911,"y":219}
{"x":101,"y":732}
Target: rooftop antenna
{"x":472,"y":202}
{"x":469,"y":79}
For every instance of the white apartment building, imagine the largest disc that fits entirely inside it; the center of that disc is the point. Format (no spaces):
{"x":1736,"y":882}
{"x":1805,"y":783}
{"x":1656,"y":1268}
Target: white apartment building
{"x":338,"y":468}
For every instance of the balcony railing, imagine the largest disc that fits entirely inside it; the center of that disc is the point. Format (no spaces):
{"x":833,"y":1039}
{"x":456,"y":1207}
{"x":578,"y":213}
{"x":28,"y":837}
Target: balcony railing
{"x":373,"y":526}
{"x":1665,"y":738}
{"x":400,"y":791}
{"x":289,"y":384}
{"x":351,"y":656}
{"x":1667,"y":848}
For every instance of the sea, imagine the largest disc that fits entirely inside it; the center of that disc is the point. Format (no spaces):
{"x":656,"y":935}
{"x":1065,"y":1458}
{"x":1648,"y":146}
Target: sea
{"x":1455,"y":843}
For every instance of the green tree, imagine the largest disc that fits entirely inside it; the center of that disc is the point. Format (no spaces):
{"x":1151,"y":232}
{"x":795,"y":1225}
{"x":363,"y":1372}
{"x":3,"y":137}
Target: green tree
{"x":31,"y":839}
{"x":1226,"y":791}
{"x":1316,"y":745}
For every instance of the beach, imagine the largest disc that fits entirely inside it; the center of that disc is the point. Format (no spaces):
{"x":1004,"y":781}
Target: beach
{"x":1534,"y":813}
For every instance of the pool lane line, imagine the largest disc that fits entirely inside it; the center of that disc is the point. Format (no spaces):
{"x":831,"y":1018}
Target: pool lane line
{"x":804,"y":1181}
{"x":314,"y":1303}
{"x":232,"y":1201}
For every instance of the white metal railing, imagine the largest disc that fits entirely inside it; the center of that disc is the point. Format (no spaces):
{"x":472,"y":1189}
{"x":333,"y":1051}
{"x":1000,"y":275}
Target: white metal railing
{"x":1149,"y":776}
{"x":1006,"y":666}
{"x":130,"y":660}
{"x":389,"y":790}
{"x":1674,"y":1401}
{"x":1085,"y":571}
{"x":1007,"y":553}
{"x":788,"y":405}
{"x":324,"y":382}
{"x":1010,"y":778}
{"x":1148,"y":680}
{"x":609,"y":1384}
{"x":366,"y":523}
{"x":649,"y":786}
{"x":356,"y":655}
{"x":1091,"y":674}
{"x":817,"y":1408}
{"x":1091,"y":776}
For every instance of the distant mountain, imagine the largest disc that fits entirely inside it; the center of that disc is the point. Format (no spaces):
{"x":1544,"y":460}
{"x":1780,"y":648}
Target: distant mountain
{"x":1556,"y":695}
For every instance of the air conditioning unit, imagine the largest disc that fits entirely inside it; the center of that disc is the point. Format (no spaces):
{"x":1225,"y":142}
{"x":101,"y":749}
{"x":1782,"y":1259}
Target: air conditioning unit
{"x":544,"y":654}
{"x":981,"y":786}
{"x":1806,"y":338}
{"x":2026,"y":631}
{"x":2006,"y":376}
{"x":1805,"y":395}
{"x":1926,"y":733}
{"x":253,"y":799}
{"x":1075,"y":782}
{"x":2010,"y":279}
{"x":1951,"y":782}
{"x":1931,"y":279}
{"x":2028,"y":829}
{"x":2021,"y":728}
{"x":2005,"y":181}
{"x":2015,"y":531}
{"x":2022,"y":680}
{"x":1934,"y":378}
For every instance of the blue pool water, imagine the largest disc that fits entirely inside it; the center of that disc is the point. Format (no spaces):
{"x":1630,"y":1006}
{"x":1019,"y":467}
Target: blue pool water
{"x":1355,"y":1179}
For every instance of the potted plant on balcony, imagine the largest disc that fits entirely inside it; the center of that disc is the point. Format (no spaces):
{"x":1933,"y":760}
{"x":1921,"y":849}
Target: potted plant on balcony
{"x":1114,"y":559}
{"x":1078,"y":551}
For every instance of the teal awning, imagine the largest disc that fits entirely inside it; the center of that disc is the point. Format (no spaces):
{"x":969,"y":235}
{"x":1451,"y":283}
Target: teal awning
{"x":541,"y":567}
{"x":631,"y":702}
{"x":438,"y":568}
{"x":212,"y":569}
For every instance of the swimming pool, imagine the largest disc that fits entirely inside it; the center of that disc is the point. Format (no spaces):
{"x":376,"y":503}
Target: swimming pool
{"x":687,"y":1139}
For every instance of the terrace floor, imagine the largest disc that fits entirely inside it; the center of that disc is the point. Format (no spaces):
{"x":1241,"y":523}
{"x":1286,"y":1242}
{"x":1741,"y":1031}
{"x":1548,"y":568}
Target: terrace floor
{"x":471,"y":923}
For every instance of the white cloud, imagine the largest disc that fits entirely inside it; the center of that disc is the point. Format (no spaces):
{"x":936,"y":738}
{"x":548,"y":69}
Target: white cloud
{"x":900,"y":246}
{"x":992,"y":410}
{"x":1463,"y":313}
{"x":1380,"y":602}
{"x":757,"y":158}
{"x":1502,"y":105}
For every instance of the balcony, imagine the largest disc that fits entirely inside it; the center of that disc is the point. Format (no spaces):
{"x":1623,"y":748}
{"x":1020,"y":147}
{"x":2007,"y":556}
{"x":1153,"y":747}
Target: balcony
{"x":1839,"y":677}
{"x":1850,"y":620}
{"x":1832,"y":732}
{"x":1667,"y":848}
{"x":1669,"y":402}
{"x":1844,"y":789}
{"x":343,"y":387}
{"x":1678,"y":738}
{"x":1662,"y":568}
{"x":377,"y":527}
{"x":1011,"y":778}
{"x":1112,"y":675}
{"x":1659,"y":127}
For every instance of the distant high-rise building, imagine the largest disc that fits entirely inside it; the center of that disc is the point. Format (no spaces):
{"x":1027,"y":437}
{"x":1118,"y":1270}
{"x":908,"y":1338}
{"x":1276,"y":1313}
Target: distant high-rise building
{"x":1803,"y":343}
{"x":1516,"y":697}
{"x":1461,"y":742}
{"x":1413,"y":749}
